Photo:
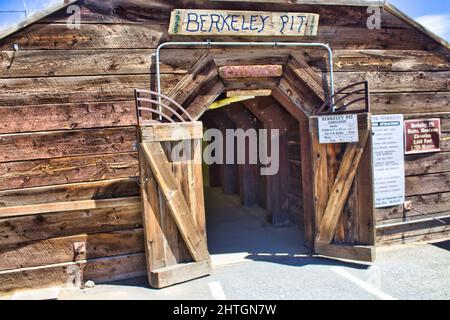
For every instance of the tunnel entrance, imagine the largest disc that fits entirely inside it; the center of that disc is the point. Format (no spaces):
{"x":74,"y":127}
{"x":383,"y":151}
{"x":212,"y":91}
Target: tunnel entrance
{"x":313,"y":188}
{"x":248,"y":210}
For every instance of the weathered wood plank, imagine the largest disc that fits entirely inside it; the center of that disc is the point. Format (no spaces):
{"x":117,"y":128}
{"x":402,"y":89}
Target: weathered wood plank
{"x":342,"y":183}
{"x":313,"y":80}
{"x":60,"y":250}
{"x":43,"y":63}
{"x":61,"y":224}
{"x":425,"y":102}
{"x":201,"y":73}
{"x":151,"y":218}
{"x":422,"y":206}
{"x":194,"y":239}
{"x":117,"y":188}
{"x":205,"y":98}
{"x":150,"y":34}
{"x":56,"y":90}
{"x":357,"y":253}
{"x":45,"y":145}
{"x":414,"y":81}
{"x":427,"y":184}
{"x":412,"y":229}
{"x":171,"y":131}
{"x":39,"y":63}
{"x":74,"y":273}
{"x":18,"y":119}
{"x":35,"y":173}
{"x":165,"y":277}
{"x":36,"y":209}
{"x":427,"y":163}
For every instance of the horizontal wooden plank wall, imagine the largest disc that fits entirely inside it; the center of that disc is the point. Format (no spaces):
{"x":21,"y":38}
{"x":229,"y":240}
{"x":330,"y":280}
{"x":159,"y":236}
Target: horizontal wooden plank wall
{"x":67,"y":124}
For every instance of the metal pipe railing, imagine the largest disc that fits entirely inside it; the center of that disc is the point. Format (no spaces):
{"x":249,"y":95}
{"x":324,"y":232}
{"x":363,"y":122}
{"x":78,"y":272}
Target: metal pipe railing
{"x":209,"y":43}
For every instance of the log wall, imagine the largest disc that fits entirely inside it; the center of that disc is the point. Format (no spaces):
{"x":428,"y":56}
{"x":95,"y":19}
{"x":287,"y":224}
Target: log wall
{"x":67,"y":132}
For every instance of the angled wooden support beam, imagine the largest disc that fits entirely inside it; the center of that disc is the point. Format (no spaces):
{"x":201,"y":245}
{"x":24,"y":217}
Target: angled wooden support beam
{"x":206,"y":96}
{"x":179,"y":208}
{"x":297,"y":93}
{"x":305,"y":73}
{"x":294,"y":110}
{"x":201,"y":72}
{"x":343,"y":182}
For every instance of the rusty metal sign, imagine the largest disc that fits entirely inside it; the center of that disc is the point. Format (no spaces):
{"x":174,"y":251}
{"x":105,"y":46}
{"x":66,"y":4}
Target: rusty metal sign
{"x":422,"y":136}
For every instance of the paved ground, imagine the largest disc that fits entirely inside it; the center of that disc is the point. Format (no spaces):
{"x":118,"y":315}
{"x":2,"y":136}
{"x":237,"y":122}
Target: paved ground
{"x":253,"y":260}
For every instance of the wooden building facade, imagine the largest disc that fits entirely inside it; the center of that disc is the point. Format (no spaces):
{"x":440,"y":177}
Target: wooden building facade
{"x":70,"y":201}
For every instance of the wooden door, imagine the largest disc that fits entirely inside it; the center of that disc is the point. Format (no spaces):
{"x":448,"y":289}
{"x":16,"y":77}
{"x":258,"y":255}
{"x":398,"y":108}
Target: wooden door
{"x":343,"y":195}
{"x":172,"y":202}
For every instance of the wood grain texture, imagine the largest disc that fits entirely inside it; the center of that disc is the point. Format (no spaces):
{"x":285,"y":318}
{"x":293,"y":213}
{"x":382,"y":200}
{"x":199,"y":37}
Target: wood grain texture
{"x":29,"y":146}
{"x":46,"y":63}
{"x":36,"y":173}
{"x":116,"y":188}
{"x":61,"y":224}
{"x":74,"y":274}
{"x":19,"y":119}
{"x":80,"y":89}
{"x":60,"y":250}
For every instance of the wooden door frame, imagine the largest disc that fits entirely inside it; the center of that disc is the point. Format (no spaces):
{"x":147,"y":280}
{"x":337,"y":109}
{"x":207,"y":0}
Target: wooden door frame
{"x":300,"y":91}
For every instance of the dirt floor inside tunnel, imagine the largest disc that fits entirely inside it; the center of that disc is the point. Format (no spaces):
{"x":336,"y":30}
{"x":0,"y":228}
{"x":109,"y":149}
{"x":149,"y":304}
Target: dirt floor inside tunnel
{"x":235,"y":232}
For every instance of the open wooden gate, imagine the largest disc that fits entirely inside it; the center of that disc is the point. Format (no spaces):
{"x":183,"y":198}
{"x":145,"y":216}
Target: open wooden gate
{"x":172,"y":195}
{"x":343,"y":187}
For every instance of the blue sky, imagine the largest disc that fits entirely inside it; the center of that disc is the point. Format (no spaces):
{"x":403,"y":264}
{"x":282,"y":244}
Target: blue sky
{"x":434,"y":14}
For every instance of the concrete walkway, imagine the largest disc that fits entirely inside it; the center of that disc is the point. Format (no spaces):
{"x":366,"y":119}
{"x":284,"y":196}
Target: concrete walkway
{"x":254,"y":260}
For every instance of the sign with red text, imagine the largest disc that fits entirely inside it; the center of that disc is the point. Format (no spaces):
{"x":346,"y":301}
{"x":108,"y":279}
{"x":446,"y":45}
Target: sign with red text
{"x":422,"y":136}
{"x":242,"y":23}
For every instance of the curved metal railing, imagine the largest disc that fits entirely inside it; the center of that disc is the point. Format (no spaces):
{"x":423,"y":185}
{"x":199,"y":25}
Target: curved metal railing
{"x":160,"y":111}
{"x":342,"y":99}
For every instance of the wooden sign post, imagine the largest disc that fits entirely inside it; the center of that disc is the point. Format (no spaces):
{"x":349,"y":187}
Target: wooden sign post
{"x":242,"y":23}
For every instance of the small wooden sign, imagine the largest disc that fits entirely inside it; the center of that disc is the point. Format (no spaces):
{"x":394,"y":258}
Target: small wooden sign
{"x":242,"y":23}
{"x":422,"y":136}
{"x":249,"y":93}
{"x":254,"y":71}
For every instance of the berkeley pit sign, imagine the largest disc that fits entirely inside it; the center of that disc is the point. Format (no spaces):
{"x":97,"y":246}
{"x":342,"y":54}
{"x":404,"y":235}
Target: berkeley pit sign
{"x":242,"y":23}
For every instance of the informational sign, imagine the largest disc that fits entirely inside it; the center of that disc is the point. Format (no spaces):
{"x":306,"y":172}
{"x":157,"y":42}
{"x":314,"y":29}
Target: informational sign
{"x":422,"y":136}
{"x":388,"y":160}
{"x":254,"y":71}
{"x":338,"y":128}
{"x":242,"y":23}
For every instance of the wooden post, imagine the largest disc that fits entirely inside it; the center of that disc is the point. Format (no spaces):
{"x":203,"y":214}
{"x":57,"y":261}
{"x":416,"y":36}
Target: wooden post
{"x":277,"y":190}
{"x":248,"y":173}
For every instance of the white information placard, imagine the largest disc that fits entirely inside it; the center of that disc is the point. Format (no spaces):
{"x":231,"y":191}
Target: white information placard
{"x":338,"y":128}
{"x":388,"y":160}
